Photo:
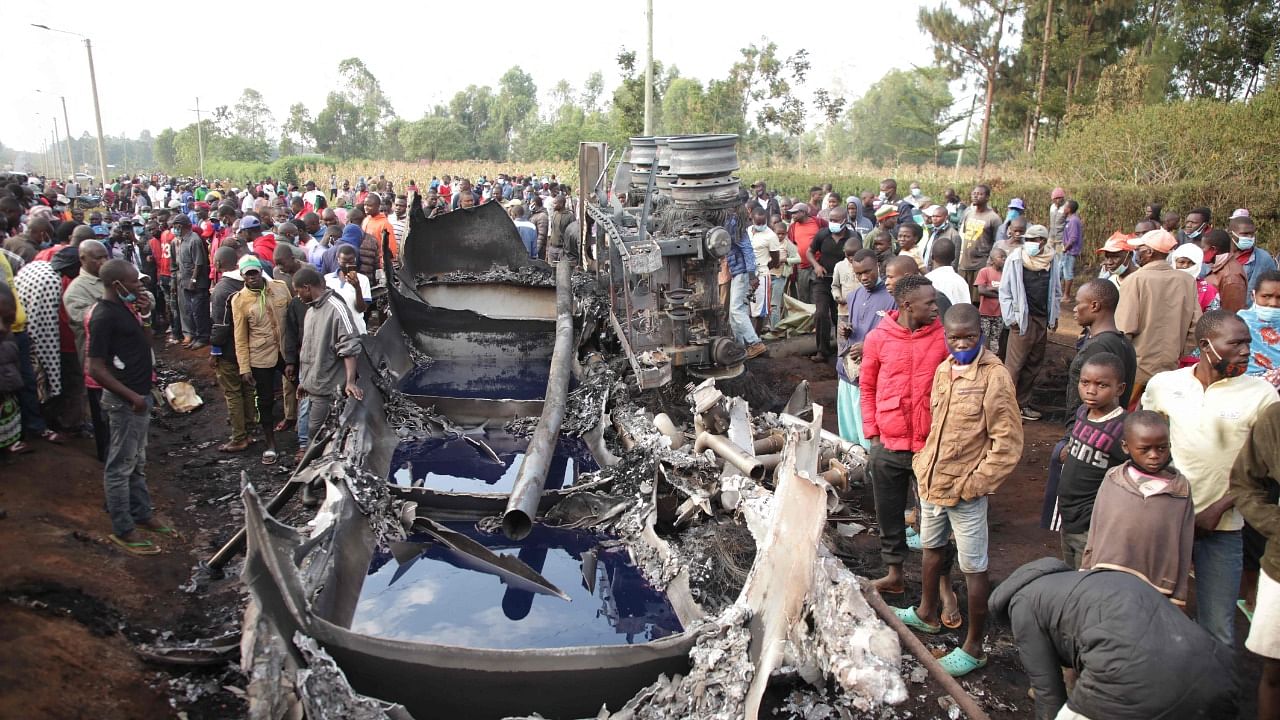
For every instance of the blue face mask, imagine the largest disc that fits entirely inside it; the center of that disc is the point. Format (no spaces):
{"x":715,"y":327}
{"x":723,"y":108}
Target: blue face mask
{"x":1032,"y":249}
{"x":1244,"y":242}
{"x":759,"y":228}
{"x":966,"y":357}
{"x":1268,"y":315}
{"x":835,"y":228}
{"x":125,"y":296}
{"x":1199,"y":231}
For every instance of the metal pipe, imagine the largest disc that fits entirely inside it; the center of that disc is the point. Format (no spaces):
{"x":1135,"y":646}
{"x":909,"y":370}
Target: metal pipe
{"x":730,"y":453}
{"x":769,"y":444}
{"x":668,"y":428}
{"x":845,"y":446}
{"x":522,"y":507}
{"x":967,"y":704}
{"x":771,"y":461}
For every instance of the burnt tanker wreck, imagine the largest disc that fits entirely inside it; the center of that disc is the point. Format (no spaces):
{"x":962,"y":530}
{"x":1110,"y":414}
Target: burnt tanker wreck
{"x":550,"y":502}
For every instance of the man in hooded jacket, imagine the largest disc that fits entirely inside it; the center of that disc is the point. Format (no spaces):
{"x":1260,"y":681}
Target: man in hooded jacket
{"x":1136,"y":655}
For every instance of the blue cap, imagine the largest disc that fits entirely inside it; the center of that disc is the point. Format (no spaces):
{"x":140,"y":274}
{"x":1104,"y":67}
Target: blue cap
{"x":249,"y":222}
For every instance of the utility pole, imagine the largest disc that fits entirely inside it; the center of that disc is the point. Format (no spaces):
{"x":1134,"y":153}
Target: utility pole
{"x":200,"y":138}
{"x":648,"y":72}
{"x":66,"y":125}
{"x":97,"y":108}
{"x":57,"y":152}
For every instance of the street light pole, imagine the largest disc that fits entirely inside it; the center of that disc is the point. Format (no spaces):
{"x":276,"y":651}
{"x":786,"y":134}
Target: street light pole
{"x":66,"y":125}
{"x":200,"y":138}
{"x":57,"y":155}
{"x":97,"y":108}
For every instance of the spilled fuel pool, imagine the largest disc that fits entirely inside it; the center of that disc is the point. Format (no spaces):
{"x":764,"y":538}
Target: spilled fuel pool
{"x":464,"y":464}
{"x":433,"y":597}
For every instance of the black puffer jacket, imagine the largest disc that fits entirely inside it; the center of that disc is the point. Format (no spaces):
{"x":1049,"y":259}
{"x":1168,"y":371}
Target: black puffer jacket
{"x":1137,"y":656}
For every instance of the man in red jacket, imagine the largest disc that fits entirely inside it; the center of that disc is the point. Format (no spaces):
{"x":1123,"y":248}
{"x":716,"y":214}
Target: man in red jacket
{"x":899,"y":358}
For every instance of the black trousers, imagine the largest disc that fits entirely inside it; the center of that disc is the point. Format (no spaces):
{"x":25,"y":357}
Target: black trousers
{"x":824,"y":314}
{"x":265,"y":381}
{"x":891,"y":479}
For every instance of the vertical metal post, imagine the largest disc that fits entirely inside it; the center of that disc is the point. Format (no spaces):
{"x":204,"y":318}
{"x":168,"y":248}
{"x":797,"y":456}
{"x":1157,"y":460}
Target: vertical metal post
{"x":200,"y":138}
{"x":648,"y":72}
{"x":97,"y":115}
{"x":66,"y":125}
{"x":57,"y":152}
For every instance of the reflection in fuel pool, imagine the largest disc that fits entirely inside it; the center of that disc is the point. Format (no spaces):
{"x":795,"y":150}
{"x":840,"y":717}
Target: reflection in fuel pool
{"x":430,"y":599}
{"x":459,"y":465}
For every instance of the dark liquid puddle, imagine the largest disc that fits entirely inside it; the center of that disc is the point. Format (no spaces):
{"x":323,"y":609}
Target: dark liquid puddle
{"x":431,"y":599}
{"x":456,"y":465}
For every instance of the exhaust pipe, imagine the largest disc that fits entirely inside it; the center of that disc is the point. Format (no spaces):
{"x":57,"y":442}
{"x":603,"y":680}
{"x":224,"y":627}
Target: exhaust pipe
{"x":730,"y":453}
{"x":522,"y":507}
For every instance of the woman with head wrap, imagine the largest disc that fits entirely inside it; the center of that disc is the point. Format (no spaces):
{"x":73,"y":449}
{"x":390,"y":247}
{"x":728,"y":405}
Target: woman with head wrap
{"x":1189,"y":258}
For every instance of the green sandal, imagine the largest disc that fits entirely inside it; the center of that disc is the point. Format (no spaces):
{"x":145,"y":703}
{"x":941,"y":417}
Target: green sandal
{"x":139,"y":547}
{"x":1244,"y":608}
{"x":959,"y":663}
{"x":909,"y":618}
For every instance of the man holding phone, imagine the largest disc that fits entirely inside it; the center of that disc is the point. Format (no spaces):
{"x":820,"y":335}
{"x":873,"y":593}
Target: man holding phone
{"x":350,"y":285}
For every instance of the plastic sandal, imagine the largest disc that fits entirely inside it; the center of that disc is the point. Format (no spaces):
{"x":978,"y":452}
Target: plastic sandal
{"x":139,"y":547}
{"x":913,"y":541}
{"x":909,"y":618}
{"x":1244,"y":608}
{"x":959,"y":663}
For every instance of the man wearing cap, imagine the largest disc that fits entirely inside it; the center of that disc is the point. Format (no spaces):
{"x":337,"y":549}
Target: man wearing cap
{"x":258,"y":313}
{"x":802,"y":230}
{"x":262,"y":244}
{"x":1057,"y":218}
{"x":762,"y":198}
{"x":1117,"y":263}
{"x":1030,"y":296}
{"x":193,"y":278}
{"x":528,"y":231}
{"x":1013,"y":212}
{"x":1158,"y":308}
{"x":886,"y":226}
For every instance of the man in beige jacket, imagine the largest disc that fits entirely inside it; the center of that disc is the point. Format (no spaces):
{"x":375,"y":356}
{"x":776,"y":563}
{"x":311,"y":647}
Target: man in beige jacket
{"x":974,"y":443}
{"x":258,"y":314}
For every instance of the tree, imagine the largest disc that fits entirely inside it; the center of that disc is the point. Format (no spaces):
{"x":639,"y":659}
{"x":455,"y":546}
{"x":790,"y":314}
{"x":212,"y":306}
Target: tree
{"x":337,"y":129}
{"x":298,"y":128}
{"x":164,"y":151}
{"x":251,"y":117}
{"x":591,"y":92}
{"x":971,"y":45}
{"x":434,"y":138}
{"x":902,"y":117}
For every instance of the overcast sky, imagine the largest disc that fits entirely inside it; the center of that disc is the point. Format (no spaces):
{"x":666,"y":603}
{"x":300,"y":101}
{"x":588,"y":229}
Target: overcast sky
{"x":153,"y":60}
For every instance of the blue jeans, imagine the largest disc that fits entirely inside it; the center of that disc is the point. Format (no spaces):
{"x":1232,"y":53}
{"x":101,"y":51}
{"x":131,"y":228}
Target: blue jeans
{"x":1218,"y":560}
{"x":775,"y":312}
{"x":304,"y":415}
{"x":740,"y":310}
{"x":28,"y":400}
{"x":124,"y":477}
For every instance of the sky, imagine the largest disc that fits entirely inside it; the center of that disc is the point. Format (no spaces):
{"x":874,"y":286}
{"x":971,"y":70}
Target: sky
{"x":151,"y":67}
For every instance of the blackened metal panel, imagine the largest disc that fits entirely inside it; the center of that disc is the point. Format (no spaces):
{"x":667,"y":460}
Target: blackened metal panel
{"x":470,"y":240}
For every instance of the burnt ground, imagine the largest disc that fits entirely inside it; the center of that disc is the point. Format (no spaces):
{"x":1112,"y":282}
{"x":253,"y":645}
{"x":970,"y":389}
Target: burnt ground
{"x":77,"y":607}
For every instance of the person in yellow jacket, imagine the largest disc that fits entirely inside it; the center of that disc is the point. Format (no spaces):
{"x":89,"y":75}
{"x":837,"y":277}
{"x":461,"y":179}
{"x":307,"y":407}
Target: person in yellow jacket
{"x":258,"y":315}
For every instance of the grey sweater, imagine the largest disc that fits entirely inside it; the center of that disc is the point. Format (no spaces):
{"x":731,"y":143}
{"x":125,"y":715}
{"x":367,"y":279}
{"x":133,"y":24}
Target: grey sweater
{"x":329,"y":335}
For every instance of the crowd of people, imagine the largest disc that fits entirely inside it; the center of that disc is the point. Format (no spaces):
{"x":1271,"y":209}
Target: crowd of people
{"x":936,"y":316}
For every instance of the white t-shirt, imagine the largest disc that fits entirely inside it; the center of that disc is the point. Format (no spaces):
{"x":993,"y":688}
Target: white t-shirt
{"x":763,"y":243}
{"x":348,"y":292}
{"x":948,"y":282}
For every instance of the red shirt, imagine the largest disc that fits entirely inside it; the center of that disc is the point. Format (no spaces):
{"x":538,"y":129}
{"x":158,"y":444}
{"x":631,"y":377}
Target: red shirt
{"x":801,"y":233}
{"x":163,"y":253}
